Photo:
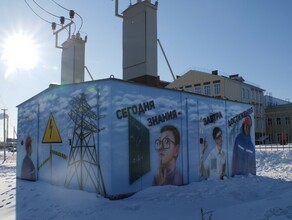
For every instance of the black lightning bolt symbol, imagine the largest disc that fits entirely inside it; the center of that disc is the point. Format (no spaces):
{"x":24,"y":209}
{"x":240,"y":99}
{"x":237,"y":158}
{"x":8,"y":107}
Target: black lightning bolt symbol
{"x":51,"y":128}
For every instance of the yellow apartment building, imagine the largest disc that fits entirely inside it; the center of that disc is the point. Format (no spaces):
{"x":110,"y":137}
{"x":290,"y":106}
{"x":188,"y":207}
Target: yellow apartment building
{"x":232,"y":88}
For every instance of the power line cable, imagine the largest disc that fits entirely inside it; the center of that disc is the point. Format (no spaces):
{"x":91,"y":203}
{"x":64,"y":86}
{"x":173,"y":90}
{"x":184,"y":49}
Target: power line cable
{"x":70,"y":12}
{"x":53,"y":24}
{"x":36,"y":13}
{"x":46,"y":10}
{"x":54,"y":15}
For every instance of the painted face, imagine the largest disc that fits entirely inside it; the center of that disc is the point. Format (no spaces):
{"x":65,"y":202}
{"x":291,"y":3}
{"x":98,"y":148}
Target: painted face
{"x":166,"y":148}
{"x":218,"y":140}
{"x":29,"y":150}
{"x":246,"y":129}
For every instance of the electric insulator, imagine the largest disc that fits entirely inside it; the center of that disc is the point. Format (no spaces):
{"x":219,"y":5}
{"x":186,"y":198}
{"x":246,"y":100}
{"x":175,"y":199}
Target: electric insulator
{"x":54,"y":26}
{"x":71,"y":14}
{"x":62,"y":20}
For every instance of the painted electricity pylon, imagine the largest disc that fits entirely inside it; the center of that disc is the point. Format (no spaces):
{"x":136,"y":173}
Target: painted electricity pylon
{"x":83,"y":164}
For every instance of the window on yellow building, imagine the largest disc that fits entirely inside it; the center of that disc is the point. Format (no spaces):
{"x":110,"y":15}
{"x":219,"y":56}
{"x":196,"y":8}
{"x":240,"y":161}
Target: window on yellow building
{"x":217,"y":88}
{"x":207,"y":89}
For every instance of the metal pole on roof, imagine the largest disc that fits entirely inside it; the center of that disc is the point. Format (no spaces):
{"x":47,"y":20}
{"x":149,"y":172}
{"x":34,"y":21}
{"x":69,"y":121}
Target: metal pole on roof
{"x":88,"y":72}
{"x":166,"y":59}
{"x":117,"y":10}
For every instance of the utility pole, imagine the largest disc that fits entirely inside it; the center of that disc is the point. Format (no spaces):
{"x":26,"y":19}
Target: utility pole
{"x":4,"y":141}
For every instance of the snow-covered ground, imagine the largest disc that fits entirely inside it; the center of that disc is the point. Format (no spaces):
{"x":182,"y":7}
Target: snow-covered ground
{"x":267,"y":196}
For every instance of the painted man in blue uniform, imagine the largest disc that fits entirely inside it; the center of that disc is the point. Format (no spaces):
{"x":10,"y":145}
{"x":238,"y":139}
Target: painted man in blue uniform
{"x":243,"y":161}
{"x":28,"y":171}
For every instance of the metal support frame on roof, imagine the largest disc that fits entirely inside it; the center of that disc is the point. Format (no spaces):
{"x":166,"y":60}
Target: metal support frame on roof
{"x":61,"y":29}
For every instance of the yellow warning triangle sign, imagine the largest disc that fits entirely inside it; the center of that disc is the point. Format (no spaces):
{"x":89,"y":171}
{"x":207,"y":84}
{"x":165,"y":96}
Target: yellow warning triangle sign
{"x":52,"y":134}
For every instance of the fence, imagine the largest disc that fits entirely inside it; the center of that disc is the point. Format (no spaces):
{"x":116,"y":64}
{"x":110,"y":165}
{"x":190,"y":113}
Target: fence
{"x":274,"y":147}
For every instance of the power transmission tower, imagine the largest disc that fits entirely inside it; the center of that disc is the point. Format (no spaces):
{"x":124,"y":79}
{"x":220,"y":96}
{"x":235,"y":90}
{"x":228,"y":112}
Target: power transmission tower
{"x":83,"y":163}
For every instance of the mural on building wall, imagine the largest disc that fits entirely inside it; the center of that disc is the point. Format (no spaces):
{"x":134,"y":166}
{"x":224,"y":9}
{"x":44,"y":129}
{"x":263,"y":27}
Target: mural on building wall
{"x":51,"y":136}
{"x":83,"y":163}
{"x":27,"y":143}
{"x":242,"y":155}
{"x":243,"y":159}
{"x":213,"y":144}
{"x":28,"y":170}
{"x":139,"y":149}
{"x":167,"y":147}
{"x":116,"y":138}
{"x":153,"y":122}
{"x":214,"y":165}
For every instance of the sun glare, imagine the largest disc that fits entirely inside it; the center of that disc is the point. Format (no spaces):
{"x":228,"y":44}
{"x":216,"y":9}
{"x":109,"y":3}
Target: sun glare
{"x":19,"y":52}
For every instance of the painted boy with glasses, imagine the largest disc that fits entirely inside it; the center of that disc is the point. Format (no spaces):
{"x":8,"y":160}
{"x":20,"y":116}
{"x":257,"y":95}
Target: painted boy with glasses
{"x":167,"y":147}
{"x":214,"y":165}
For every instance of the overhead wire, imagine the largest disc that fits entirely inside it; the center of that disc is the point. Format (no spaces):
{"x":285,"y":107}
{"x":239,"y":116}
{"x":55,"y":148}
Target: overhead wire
{"x":36,"y":13}
{"x":54,"y":15}
{"x":45,"y":20}
{"x":45,"y":10}
{"x":69,"y":11}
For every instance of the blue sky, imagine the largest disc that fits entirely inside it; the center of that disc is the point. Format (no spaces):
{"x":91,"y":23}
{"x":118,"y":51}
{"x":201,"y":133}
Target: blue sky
{"x":248,"y":37}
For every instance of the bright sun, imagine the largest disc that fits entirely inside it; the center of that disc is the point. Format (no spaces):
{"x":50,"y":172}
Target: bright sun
{"x":19,"y":52}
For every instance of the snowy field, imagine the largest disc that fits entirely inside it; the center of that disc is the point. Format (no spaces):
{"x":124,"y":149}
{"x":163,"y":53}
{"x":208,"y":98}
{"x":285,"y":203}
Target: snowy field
{"x":267,"y":196}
